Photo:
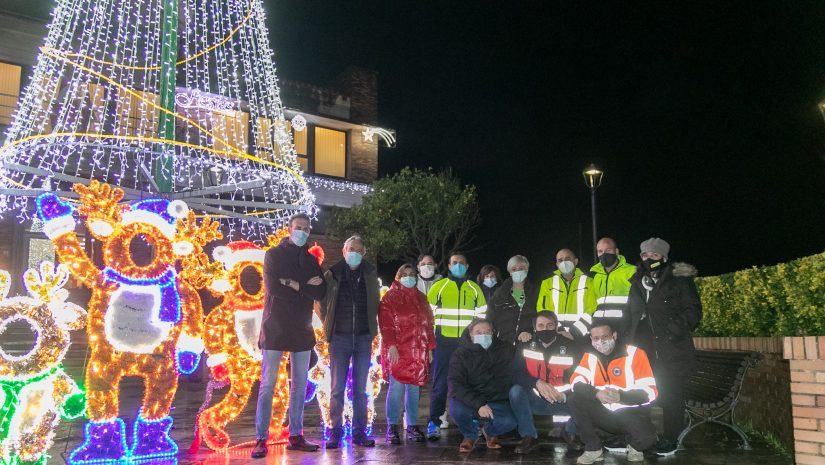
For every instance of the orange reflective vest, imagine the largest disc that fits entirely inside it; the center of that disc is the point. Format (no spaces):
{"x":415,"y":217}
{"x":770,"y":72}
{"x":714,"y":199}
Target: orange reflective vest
{"x":625,"y":372}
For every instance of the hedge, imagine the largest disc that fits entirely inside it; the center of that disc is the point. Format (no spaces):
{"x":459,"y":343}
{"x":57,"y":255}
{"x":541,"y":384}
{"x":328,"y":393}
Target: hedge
{"x":787,"y":299}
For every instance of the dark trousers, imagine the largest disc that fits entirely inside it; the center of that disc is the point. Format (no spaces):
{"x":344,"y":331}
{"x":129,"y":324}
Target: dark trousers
{"x":445,"y":346}
{"x":671,"y":399}
{"x":591,"y":415}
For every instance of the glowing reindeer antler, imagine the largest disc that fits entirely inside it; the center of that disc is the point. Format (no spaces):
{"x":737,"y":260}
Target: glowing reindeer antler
{"x":100,"y":201}
{"x":5,"y":284}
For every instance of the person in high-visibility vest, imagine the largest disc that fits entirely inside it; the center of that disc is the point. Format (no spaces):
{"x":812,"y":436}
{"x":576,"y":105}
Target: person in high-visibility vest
{"x":611,"y":284}
{"x":613,"y":387}
{"x":455,"y":301}
{"x":568,"y":293}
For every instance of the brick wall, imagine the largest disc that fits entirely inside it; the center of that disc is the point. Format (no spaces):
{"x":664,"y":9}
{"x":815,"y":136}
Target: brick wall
{"x":765,"y":401}
{"x":363,"y":158}
{"x":806,"y":357}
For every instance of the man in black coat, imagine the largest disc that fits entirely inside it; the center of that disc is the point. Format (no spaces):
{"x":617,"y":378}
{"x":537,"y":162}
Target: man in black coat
{"x":479,"y":385}
{"x":664,"y":309}
{"x":293,"y":280}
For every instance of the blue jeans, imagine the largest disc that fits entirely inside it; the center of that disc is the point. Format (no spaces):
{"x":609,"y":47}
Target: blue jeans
{"x":394,"y":395}
{"x":342,"y":349}
{"x":525,"y":403}
{"x":299,"y":365}
{"x":503,"y":419}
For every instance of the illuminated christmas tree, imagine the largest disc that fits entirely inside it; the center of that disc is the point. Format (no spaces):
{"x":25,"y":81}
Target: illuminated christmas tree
{"x":171,"y":98}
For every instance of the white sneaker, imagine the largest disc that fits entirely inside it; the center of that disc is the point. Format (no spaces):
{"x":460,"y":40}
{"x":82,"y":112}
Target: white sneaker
{"x":444,"y":423}
{"x":634,"y":455}
{"x":590,"y":456}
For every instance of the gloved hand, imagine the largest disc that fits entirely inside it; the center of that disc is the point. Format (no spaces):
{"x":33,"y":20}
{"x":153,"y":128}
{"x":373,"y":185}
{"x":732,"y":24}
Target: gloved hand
{"x":49,"y":207}
{"x":187,"y":361}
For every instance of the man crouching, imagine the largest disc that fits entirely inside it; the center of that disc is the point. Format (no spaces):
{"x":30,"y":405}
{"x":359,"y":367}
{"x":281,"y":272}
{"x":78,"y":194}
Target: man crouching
{"x":612,"y":391}
{"x":479,"y":383}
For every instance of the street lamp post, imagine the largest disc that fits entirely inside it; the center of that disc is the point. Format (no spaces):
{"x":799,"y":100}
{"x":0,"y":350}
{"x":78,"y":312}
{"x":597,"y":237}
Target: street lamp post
{"x":593,"y":179}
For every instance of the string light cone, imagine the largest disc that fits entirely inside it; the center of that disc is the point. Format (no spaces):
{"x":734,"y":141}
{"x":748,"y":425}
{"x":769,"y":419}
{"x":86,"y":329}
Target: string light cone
{"x":187,"y":109}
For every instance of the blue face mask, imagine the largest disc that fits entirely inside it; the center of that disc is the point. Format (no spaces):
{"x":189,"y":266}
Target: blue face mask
{"x":519,"y":276}
{"x":458,"y":270}
{"x":490,"y":282}
{"x":484,"y":340}
{"x":354,"y":259}
{"x":298,"y":237}
{"x":407,"y":281}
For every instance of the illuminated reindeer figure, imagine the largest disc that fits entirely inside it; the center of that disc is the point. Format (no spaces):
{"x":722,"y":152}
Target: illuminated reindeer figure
{"x":144,"y":320}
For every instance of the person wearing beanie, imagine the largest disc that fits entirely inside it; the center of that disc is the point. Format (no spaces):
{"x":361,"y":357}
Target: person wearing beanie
{"x":664,"y":309}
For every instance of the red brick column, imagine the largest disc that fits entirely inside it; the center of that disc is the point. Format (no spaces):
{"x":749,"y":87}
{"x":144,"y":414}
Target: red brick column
{"x":807,"y":365}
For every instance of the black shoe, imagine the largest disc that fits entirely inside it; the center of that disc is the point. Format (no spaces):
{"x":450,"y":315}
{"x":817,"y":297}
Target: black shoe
{"x":415,"y":434}
{"x":259,"y":450}
{"x":299,"y":443}
{"x":363,"y":441}
{"x":392,"y":434}
{"x":526,"y":446}
{"x":334,"y":441}
{"x":574,"y":444}
{"x":666,"y":447}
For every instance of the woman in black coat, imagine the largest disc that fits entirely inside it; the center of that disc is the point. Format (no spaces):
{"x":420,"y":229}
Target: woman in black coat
{"x":513,"y":305}
{"x":664,"y":310}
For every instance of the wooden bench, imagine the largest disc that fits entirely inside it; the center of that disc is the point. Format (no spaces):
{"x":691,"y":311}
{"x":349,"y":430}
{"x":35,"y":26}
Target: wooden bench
{"x":712,"y":392}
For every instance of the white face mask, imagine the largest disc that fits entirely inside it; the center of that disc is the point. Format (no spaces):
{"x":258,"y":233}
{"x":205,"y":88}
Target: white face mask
{"x":567,"y":267}
{"x":605,"y":347}
{"x":426,"y":271}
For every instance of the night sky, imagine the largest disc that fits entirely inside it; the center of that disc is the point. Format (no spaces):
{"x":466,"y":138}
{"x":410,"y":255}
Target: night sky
{"x":703,"y":115}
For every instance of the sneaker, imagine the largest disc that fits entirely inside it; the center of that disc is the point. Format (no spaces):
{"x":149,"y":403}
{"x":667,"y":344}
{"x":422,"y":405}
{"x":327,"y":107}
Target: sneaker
{"x":590,"y":456}
{"x":414,"y":433}
{"x":334,"y":441}
{"x":392,"y":434}
{"x":299,"y":443}
{"x":444,"y":423}
{"x":634,"y":455}
{"x":666,"y":447}
{"x":364,"y":441}
{"x":259,"y":450}
{"x":433,"y":432}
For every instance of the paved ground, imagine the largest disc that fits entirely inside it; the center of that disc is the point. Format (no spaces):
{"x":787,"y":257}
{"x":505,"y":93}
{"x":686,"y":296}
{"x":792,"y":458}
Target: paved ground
{"x":710,"y":446}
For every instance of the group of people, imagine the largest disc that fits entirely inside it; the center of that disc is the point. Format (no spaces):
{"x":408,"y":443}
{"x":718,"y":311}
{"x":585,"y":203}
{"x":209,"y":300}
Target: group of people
{"x":594,"y":350}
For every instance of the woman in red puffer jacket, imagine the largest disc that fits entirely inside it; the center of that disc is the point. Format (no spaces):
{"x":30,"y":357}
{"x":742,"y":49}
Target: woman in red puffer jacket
{"x":407,"y":342}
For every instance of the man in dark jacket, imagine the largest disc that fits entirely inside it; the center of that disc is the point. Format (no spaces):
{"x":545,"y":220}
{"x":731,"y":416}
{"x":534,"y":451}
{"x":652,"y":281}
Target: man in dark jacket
{"x":479,"y":384}
{"x":514,"y":304}
{"x":350,"y":315}
{"x":664,"y":309}
{"x":541,"y":371}
{"x":292,"y":282}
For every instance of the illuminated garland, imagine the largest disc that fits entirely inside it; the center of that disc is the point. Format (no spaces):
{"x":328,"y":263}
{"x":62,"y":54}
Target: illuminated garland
{"x":35,"y":392}
{"x":144,"y":320}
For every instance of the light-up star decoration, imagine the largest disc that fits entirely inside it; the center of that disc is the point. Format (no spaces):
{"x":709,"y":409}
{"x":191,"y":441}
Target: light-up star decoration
{"x":100,"y":106}
{"x":35,"y":392}
{"x":145,"y":318}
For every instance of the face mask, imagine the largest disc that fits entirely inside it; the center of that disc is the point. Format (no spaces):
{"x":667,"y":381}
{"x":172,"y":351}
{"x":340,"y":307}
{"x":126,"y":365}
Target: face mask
{"x":484,"y":340}
{"x":605,"y":347}
{"x":653,"y":265}
{"x":407,"y":281}
{"x":426,"y":271}
{"x":298,"y":237}
{"x":490,"y":282}
{"x":519,"y":276}
{"x":567,"y":267}
{"x":458,"y":270}
{"x":354,"y":259}
{"x":607,"y":259}
{"x":546,"y":335}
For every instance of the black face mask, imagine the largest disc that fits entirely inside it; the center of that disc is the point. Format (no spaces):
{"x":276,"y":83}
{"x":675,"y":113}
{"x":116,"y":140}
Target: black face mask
{"x":652,"y":265}
{"x":546,"y":335}
{"x":607,"y":259}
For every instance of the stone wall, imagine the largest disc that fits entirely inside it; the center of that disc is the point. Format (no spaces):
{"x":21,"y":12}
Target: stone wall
{"x":765,"y":401}
{"x":806,"y":357}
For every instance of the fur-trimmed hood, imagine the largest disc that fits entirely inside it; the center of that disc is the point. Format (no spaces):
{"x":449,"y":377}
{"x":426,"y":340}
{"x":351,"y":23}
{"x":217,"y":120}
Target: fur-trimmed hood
{"x":684,"y":270}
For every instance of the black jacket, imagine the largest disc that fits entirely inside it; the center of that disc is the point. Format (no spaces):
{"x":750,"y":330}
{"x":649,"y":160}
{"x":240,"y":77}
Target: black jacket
{"x":478,"y":376}
{"x":327,"y":306}
{"x":287,"y":318}
{"x":503,"y":311}
{"x":662,"y":324}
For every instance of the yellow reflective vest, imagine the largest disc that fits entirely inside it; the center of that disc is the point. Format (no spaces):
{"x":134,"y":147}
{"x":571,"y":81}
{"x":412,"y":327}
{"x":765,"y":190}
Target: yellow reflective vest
{"x":454,"y":309}
{"x":571,"y":301}
{"x":611,"y":290}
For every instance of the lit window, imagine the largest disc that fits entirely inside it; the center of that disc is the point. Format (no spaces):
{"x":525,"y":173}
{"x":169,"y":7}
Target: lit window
{"x":138,"y":117}
{"x":330,"y":152}
{"x":9,"y":90}
{"x":231,"y":126}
